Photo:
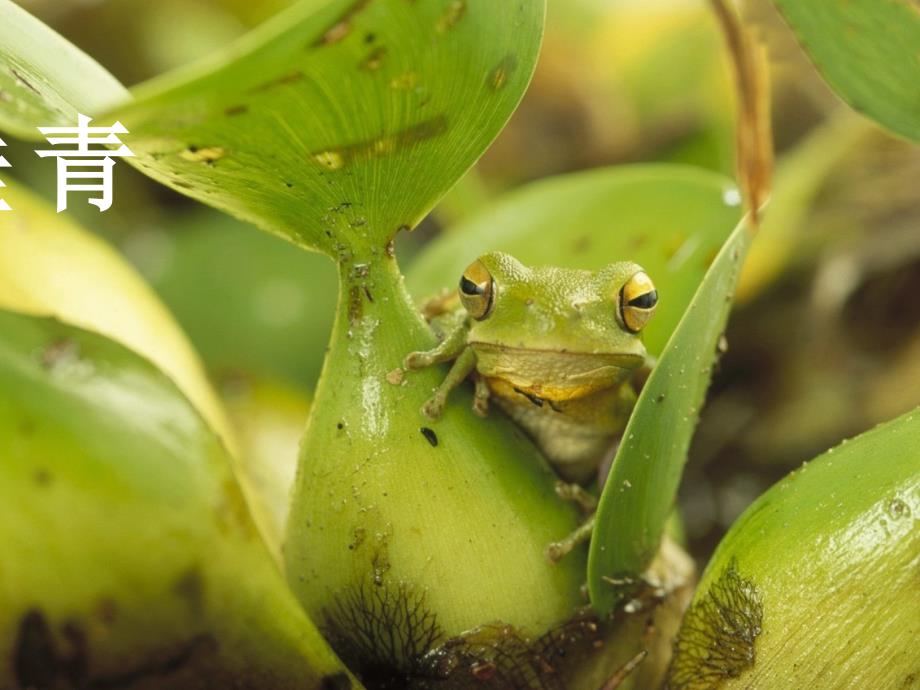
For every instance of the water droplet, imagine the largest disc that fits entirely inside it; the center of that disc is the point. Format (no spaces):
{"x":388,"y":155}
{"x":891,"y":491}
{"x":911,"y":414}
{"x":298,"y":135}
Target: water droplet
{"x":731,"y":197}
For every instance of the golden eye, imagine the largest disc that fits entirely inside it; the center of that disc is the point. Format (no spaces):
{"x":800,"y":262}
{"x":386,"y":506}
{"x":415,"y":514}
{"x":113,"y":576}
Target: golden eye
{"x":476,"y":290}
{"x":637,"y":301}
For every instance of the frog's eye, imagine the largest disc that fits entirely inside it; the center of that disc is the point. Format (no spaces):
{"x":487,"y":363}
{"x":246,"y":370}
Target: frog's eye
{"x":637,"y":301}
{"x":476,"y":290}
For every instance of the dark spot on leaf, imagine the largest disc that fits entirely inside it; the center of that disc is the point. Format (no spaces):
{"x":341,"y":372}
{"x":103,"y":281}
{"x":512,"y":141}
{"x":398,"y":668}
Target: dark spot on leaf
{"x":582,"y":244}
{"x":718,"y":634}
{"x":453,"y":13}
{"x":340,"y":426}
{"x":206,"y":154}
{"x":74,"y":657}
{"x":289,"y":78}
{"x":336,"y":157}
{"x":370,"y":37}
{"x":374,"y":59}
{"x":498,"y":77}
{"x":59,"y":352}
{"x":342,"y":26}
{"x":355,"y":305}
{"x":190,"y":587}
{"x":161,"y":665}
{"x":430,"y":436}
{"x":107,"y":611}
{"x":43,"y":477}
{"x":235,"y":110}
{"x":34,"y":656}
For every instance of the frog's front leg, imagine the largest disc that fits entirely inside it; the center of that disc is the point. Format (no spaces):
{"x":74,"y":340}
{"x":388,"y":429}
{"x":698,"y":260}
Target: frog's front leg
{"x":452,"y":347}
{"x":576,"y":493}
{"x":461,"y":368}
{"x":558,"y":549}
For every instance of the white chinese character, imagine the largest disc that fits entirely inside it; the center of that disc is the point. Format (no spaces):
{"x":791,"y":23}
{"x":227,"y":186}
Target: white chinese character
{"x":4,"y":163}
{"x":93,"y":163}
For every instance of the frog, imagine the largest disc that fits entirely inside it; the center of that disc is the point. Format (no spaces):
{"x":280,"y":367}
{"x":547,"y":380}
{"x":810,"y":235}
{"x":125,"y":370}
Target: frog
{"x":560,"y":352}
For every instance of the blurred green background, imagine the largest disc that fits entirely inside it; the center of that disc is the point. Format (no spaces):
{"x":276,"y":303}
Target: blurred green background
{"x":824,"y":342}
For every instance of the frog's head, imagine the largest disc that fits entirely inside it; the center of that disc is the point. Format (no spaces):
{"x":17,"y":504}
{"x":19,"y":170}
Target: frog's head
{"x":554,"y":332}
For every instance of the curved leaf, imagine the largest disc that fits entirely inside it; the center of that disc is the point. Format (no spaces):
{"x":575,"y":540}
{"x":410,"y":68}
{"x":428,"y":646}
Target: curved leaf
{"x":337,"y":128}
{"x":817,"y":576}
{"x":44,"y":79}
{"x":867,"y":52}
{"x":642,"y":484}
{"x":128,"y":555}
{"x":670,"y":219}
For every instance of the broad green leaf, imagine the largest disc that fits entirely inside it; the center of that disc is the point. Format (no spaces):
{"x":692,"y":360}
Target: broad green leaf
{"x":45,"y":80}
{"x":337,"y":128}
{"x":670,"y":219}
{"x":817,"y":578}
{"x":641,"y":487}
{"x":129,"y":557}
{"x":50,"y":266}
{"x":867,"y":50}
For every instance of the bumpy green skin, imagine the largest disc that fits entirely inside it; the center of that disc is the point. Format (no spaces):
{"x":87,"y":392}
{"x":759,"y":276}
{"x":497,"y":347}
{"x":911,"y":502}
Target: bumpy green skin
{"x":816,"y":584}
{"x":461,"y":524}
{"x":557,"y":358}
{"x":127,"y":554}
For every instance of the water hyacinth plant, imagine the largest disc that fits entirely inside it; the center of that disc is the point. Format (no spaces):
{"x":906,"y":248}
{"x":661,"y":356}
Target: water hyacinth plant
{"x":177,"y":517}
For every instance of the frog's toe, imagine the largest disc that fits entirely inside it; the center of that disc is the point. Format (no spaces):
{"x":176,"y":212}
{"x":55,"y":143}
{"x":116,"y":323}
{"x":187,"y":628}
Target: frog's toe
{"x":416,"y":360}
{"x":556,"y":551}
{"x":481,"y":406}
{"x":434,"y":407}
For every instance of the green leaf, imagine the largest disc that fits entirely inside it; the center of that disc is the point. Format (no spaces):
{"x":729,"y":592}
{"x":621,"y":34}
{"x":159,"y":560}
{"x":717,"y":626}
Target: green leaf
{"x":867,"y":51}
{"x":642,"y":485}
{"x":121,"y":521}
{"x":337,"y":128}
{"x":670,"y":219}
{"x":817,"y":575}
{"x":45,"y":80}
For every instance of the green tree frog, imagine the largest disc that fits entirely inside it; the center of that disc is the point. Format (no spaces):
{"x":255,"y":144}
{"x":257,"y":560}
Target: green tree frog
{"x":559,"y":350}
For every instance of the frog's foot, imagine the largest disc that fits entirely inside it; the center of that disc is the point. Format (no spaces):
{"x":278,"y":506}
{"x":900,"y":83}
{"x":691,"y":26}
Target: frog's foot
{"x":558,"y":549}
{"x":434,"y":406}
{"x":481,"y":397}
{"x":419,"y":360}
{"x":576,"y":494}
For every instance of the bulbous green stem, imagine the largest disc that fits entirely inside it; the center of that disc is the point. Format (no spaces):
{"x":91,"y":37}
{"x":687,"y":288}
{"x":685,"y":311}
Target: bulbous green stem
{"x":390,"y":506}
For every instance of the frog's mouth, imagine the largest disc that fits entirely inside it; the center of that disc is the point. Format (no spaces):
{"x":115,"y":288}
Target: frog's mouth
{"x":554,"y":374}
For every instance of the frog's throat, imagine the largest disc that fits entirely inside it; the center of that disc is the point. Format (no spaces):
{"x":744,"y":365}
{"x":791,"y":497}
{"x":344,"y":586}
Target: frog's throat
{"x":553,"y":375}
